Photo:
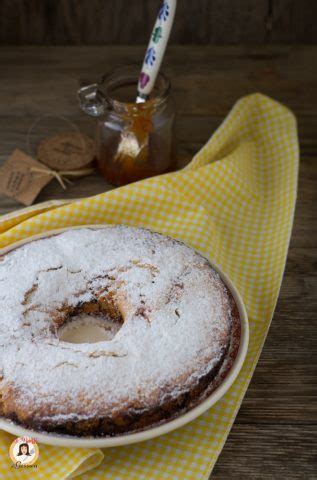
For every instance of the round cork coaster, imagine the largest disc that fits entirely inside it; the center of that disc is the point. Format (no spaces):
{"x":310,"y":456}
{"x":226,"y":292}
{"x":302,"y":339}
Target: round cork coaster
{"x":67,"y":151}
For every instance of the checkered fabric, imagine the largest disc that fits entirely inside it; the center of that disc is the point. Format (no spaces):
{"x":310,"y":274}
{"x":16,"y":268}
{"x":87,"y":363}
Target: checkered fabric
{"x":234,"y":203}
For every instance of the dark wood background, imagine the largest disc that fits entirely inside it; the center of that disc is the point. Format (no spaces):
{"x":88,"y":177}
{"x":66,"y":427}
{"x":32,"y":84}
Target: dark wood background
{"x":107,"y":22}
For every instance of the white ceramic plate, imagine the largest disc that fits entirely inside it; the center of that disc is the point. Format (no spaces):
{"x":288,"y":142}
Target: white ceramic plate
{"x":104,"y":442}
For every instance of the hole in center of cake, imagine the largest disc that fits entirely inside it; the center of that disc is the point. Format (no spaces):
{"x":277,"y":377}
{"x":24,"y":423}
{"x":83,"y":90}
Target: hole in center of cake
{"x":89,"y":328}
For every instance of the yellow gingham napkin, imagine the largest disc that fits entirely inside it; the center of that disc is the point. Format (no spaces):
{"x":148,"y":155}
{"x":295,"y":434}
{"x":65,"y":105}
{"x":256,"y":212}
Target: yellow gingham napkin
{"x":234,"y":203}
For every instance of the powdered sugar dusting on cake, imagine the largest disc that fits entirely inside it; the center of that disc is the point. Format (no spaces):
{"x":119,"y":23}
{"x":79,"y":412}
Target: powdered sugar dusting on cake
{"x":174,"y":308}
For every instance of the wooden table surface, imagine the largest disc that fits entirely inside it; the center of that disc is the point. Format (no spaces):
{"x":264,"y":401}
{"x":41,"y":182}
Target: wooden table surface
{"x":274,"y":436}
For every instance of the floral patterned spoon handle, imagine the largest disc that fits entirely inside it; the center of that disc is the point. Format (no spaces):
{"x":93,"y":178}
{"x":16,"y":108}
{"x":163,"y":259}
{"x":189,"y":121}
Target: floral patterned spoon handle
{"x":156,"y":49}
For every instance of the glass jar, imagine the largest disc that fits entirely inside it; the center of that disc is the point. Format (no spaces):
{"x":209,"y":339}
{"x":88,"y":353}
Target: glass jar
{"x":133,"y":140}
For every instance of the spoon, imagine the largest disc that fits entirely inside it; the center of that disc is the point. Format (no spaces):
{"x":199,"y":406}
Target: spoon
{"x":133,"y":145}
{"x":156,"y":49}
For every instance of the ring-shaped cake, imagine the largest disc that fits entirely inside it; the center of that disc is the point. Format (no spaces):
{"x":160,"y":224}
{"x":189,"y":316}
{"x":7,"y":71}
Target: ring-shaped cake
{"x":169,"y":331}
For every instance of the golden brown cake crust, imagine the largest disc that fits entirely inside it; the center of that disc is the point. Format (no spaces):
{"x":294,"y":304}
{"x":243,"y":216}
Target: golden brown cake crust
{"x":156,"y":287}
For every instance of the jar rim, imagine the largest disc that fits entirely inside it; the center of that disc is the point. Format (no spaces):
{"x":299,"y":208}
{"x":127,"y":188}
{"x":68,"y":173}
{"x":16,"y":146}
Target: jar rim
{"x":129,"y":74}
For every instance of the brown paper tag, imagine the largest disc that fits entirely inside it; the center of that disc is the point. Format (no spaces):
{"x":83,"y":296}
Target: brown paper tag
{"x":18,"y":181}
{"x":67,"y":151}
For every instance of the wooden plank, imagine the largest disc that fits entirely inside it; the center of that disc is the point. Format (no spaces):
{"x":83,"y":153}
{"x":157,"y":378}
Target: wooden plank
{"x":95,"y":22}
{"x":205,"y":81}
{"x":268,"y":452}
{"x":288,"y":21}
{"x":283,"y":404}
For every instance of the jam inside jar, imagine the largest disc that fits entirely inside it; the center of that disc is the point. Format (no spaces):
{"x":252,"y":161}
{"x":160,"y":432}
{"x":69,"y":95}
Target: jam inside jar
{"x":135,"y":140}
